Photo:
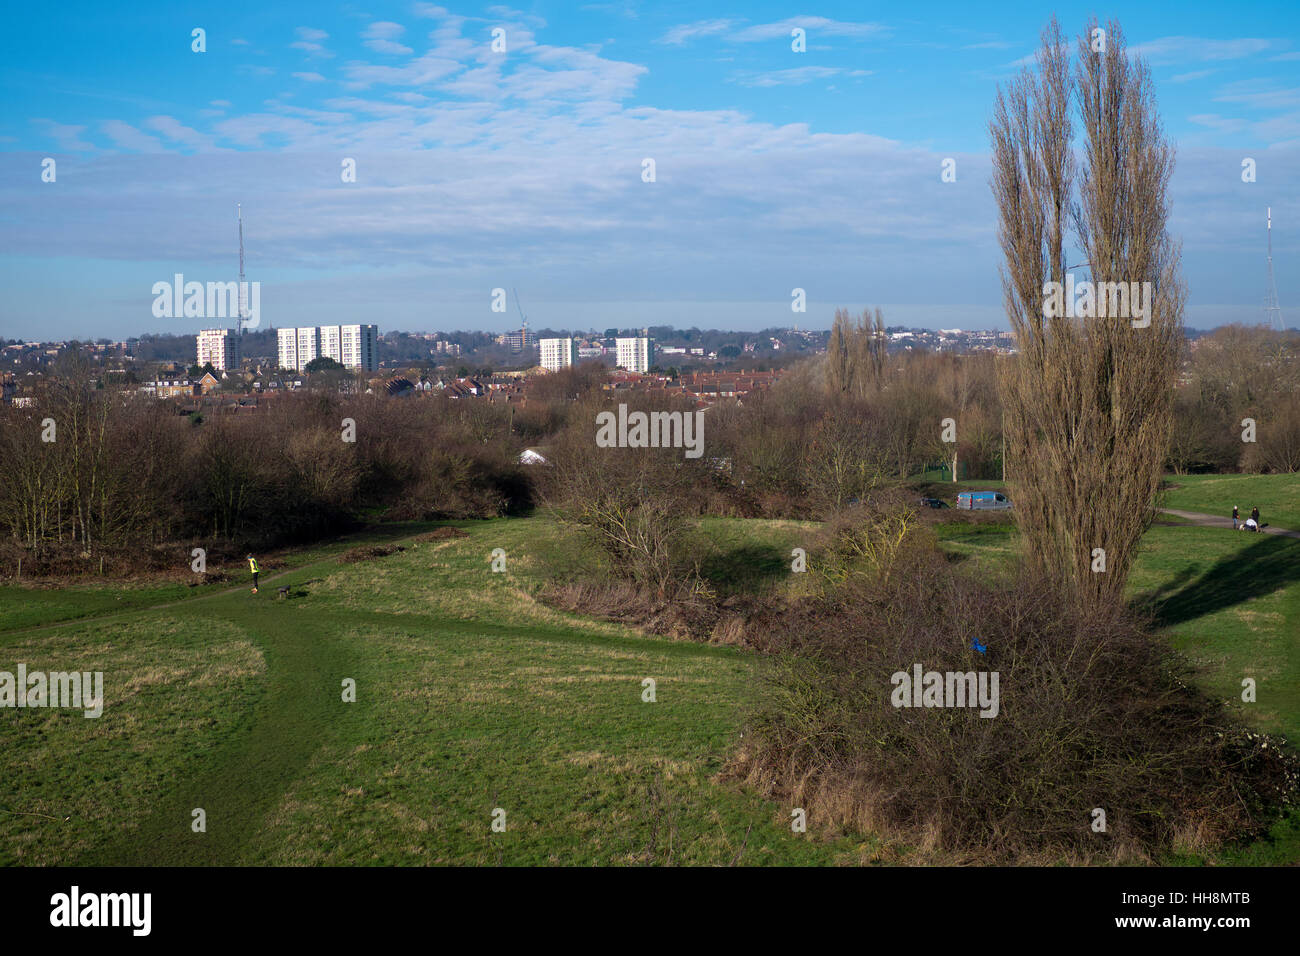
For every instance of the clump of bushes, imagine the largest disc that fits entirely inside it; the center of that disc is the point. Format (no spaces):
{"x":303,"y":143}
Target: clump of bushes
{"x":369,"y":552}
{"x":1094,"y":713}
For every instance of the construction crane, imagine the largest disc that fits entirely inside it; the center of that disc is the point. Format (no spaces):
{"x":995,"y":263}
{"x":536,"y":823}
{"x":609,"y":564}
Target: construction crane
{"x":522,"y":318}
{"x":243,"y":305}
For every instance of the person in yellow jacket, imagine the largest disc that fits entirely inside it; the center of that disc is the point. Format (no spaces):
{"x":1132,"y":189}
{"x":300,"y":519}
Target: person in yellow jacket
{"x":252,"y":566}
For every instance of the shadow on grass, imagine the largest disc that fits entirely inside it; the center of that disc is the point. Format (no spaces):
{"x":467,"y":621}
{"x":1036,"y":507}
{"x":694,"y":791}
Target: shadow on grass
{"x":746,"y":568}
{"x":1266,"y":566}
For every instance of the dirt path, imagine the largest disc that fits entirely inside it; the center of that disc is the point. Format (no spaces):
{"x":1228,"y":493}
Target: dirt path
{"x":1213,"y":521}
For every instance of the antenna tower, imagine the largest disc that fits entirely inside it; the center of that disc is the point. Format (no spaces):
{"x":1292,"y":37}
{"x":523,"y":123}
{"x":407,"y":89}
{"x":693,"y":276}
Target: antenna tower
{"x":1272,"y":311}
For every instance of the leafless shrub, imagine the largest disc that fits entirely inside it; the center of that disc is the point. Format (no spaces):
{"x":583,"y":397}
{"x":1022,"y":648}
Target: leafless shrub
{"x":1093,"y":713}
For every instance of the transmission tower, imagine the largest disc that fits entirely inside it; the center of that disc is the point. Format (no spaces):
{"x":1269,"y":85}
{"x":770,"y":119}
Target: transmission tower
{"x":1272,"y":311}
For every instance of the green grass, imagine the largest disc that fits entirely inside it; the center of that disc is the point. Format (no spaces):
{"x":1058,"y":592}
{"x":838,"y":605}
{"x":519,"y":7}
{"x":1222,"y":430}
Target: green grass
{"x":473,"y":695}
{"x":31,"y":603}
{"x":27,"y":606}
{"x":1276,"y":496}
{"x":470,"y":696}
{"x":1233,"y":607}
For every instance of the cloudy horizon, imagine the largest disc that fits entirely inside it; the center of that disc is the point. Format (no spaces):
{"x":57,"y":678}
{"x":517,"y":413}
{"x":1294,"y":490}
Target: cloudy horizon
{"x":525,"y":168}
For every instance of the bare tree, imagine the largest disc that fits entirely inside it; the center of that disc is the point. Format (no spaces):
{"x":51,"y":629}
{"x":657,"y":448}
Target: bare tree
{"x":856,"y":353}
{"x":1088,"y":399}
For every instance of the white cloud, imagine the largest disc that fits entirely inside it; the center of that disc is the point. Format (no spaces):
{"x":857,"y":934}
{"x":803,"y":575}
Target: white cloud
{"x":309,"y":77}
{"x":68,"y":137}
{"x":126,"y":136}
{"x":701,"y":28}
{"x":381,"y":37}
{"x":543,"y":148}
{"x":1260,"y":95}
{"x":176,"y":132}
{"x":796,"y":76}
{"x":820,"y":26}
{"x":1214,"y":121}
{"x":309,"y":41}
{"x":1181,"y":49}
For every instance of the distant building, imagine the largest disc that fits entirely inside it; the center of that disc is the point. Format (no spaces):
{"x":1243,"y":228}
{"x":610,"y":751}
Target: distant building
{"x":635,"y":355}
{"x":519,"y":339}
{"x":220,"y":347}
{"x":558,"y":354}
{"x":181,"y":388}
{"x":352,"y":346}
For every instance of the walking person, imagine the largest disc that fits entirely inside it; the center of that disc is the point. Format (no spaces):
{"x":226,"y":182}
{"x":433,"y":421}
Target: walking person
{"x":252,"y":566}
{"x":1254,"y":515}
{"x":1234,"y":517}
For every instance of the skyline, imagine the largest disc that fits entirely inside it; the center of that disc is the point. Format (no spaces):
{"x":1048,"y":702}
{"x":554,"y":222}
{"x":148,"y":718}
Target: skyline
{"x":476,"y":169}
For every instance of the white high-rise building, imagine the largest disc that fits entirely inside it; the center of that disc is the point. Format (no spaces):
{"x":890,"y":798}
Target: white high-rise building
{"x":287,"y":349}
{"x":635,"y":355}
{"x":558,"y":353}
{"x":352,"y":346}
{"x":359,"y":347}
{"x":220,"y":347}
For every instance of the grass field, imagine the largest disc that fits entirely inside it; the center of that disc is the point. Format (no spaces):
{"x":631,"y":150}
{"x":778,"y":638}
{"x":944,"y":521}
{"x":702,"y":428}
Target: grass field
{"x":1276,"y":496}
{"x":472,"y":696}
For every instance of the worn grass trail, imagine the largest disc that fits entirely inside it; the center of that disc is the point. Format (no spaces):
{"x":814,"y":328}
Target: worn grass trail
{"x":471,"y":695}
{"x":244,"y":779}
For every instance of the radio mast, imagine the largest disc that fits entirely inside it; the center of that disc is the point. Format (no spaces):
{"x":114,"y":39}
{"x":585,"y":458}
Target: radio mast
{"x":1272,"y":311}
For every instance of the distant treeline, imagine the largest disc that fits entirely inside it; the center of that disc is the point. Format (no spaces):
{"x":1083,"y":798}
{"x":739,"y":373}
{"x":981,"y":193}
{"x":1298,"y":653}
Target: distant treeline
{"x":86,"y":470}
{"x":89,"y":471}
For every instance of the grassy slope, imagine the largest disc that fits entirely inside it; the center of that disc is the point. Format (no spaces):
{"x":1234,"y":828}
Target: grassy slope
{"x":1276,"y":496}
{"x":470,"y":696}
{"x":473,"y":696}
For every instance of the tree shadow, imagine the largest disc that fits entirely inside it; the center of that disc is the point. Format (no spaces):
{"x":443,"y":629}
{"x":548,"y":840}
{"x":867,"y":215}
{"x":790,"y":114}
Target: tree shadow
{"x":1269,"y":564}
{"x":746,"y":568}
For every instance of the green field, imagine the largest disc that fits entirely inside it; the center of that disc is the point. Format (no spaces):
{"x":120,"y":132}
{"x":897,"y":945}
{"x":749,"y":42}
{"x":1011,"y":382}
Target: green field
{"x":472,"y":696}
{"x":1276,"y":496}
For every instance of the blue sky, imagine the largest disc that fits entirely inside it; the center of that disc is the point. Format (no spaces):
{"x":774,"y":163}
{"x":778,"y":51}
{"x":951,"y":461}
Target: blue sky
{"x":477,"y":169}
